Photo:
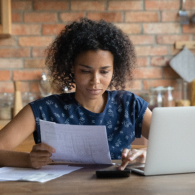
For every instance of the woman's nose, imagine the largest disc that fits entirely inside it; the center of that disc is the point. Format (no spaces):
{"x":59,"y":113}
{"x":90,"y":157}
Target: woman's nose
{"x":95,"y":79}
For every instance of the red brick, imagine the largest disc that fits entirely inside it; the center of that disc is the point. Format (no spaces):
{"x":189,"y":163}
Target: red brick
{"x":188,"y":29}
{"x":88,"y":5}
{"x":171,"y":39}
{"x":11,"y":63}
{"x":158,"y":50}
{"x":125,"y":5}
{"x":35,"y":41}
{"x":162,"y":5}
{"x":146,"y":73}
{"x":130,"y":28}
{"x":5,"y":75}
{"x":159,"y":61}
{"x":133,"y":85}
{"x":26,"y":29}
{"x":6,"y":86}
{"x":27,"y":75}
{"x":39,"y":52}
{"x":147,"y":84}
{"x":138,"y":93}
{"x":190,"y":4}
{"x":174,"y":51}
{"x":142,"y":50}
{"x":21,"y":5}
{"x":34,"y":87}
{"x":169,"y":73}
{"x":24,"y":87}
{"x":40,"y":17}
{"x":52,"y":29}
{"x":162,"y":28}
{"x":142,"y":61}
{"x":12,"y":52}
{"x":170,"y":16}
{"x":109,"y":17}
{"x":34,"y":63}
{"x":71,"y":16}
{"x":50,"y":5}
{"x":151,"y":51}
{"x":142,"y":39}
{"x":141,"y":17}
{"x":16,"y":17}
{"x":8,"y":42}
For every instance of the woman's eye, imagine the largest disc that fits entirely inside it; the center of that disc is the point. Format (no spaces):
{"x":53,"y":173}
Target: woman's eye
{"x":85,"y":71}
{"x":104,"y":72}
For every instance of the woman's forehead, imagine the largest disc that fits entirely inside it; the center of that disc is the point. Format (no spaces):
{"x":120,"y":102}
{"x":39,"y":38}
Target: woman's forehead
{"x":92,"y":56}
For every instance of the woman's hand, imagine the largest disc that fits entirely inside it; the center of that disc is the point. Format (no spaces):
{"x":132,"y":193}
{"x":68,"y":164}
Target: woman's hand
{"x":132,"y":156}
{"x":40,"y":155}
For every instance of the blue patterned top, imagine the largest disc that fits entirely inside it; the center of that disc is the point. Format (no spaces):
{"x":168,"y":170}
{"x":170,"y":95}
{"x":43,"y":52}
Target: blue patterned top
{"x":122,"y":116}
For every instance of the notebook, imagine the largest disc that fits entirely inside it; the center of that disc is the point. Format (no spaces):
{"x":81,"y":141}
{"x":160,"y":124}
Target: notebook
{"x":171,"y":142}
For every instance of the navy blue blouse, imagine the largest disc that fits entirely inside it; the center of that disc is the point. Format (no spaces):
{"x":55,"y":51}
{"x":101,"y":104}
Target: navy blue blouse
{"x":122,"y":116}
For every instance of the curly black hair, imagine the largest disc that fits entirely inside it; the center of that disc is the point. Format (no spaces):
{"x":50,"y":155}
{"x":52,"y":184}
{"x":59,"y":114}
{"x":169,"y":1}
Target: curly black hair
{"x":84,"y":35}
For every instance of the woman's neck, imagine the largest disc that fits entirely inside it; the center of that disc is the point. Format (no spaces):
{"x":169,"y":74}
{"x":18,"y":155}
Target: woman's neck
{"x":93,"y":105}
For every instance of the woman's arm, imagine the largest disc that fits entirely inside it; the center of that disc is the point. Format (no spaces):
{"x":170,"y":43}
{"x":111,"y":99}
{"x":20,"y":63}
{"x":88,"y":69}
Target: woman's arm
{"x":18,"y":129}
{"x":131,"y":156}
{"x":146,"y":123}
{"x":15,"y":132}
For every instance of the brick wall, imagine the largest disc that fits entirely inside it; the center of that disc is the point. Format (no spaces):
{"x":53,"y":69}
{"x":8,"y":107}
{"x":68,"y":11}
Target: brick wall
{"x":152,"y":25}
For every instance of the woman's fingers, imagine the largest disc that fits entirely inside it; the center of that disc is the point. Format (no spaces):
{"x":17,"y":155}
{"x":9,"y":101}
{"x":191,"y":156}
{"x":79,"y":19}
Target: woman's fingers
{"x":124,"y":153}
{"x":43,"y":146}
{"x":125,"y":159}
{"x":40,"y":155}
{"x":132,"y":156}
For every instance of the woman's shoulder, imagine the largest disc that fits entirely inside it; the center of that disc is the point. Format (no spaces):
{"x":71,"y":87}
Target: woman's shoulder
{"x":125,"y":97}
{"x":121,"y":94}
{"x":55,"y":98}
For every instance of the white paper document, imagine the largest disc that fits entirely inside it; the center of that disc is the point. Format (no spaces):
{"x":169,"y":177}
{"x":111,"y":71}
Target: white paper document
{"x":44,"y":174}
{"x":76,"y":143}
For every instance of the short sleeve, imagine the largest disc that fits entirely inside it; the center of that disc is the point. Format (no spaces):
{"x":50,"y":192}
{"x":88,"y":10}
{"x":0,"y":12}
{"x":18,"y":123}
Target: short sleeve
{"x":140,"y":109}
{"x":37,"y":115}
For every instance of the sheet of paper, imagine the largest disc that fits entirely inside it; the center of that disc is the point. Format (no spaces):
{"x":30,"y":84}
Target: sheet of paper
{"x":44,"y":174}
{"x":76,"y":143}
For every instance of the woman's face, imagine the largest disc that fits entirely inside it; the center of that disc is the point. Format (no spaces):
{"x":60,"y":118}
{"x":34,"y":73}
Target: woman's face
{"x":93,"y":72}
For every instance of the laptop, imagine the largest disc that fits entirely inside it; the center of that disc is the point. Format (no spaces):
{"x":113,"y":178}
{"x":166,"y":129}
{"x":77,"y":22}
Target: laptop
{"x":171,"y":142}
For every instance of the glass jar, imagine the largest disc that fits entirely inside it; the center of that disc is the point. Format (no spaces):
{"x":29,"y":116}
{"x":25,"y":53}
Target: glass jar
{"x":152,"y":103}
{"x":169,"y":99}
{"x":159,"y":95}
{"x":6,"y":106}
{"x":45,"y":86}
{"x":183,"y":97}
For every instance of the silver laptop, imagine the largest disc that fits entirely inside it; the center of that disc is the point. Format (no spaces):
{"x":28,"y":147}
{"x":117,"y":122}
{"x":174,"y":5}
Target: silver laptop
{"x":171,"y":143}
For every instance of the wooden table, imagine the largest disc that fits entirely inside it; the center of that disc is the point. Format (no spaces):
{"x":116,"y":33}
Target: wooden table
{"x":84,"y":182}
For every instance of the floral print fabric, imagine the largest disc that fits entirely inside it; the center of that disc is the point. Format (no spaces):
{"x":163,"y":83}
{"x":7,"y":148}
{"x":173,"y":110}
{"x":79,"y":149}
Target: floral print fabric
{"x":122,"y":116}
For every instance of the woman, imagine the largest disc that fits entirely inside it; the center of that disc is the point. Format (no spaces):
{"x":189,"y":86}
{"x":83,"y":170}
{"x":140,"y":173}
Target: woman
{"x":92,"y":57}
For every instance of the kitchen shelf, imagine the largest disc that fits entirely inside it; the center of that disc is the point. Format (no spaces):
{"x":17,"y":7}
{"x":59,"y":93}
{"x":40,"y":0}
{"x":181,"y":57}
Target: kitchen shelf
{"x":187,"y":44}
{"x":5,"y":18}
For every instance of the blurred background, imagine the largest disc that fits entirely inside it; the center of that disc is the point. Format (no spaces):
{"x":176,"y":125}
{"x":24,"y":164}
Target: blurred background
{"x":154,"y":26}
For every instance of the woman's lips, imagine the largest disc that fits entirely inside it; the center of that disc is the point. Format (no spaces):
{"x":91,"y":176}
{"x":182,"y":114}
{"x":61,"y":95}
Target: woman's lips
{"x":94,"y":91}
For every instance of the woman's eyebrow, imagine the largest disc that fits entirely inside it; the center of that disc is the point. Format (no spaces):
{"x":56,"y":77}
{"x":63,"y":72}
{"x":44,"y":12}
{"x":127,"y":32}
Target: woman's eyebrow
{"x":104,"y":67}
{"x":85,"y":66}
